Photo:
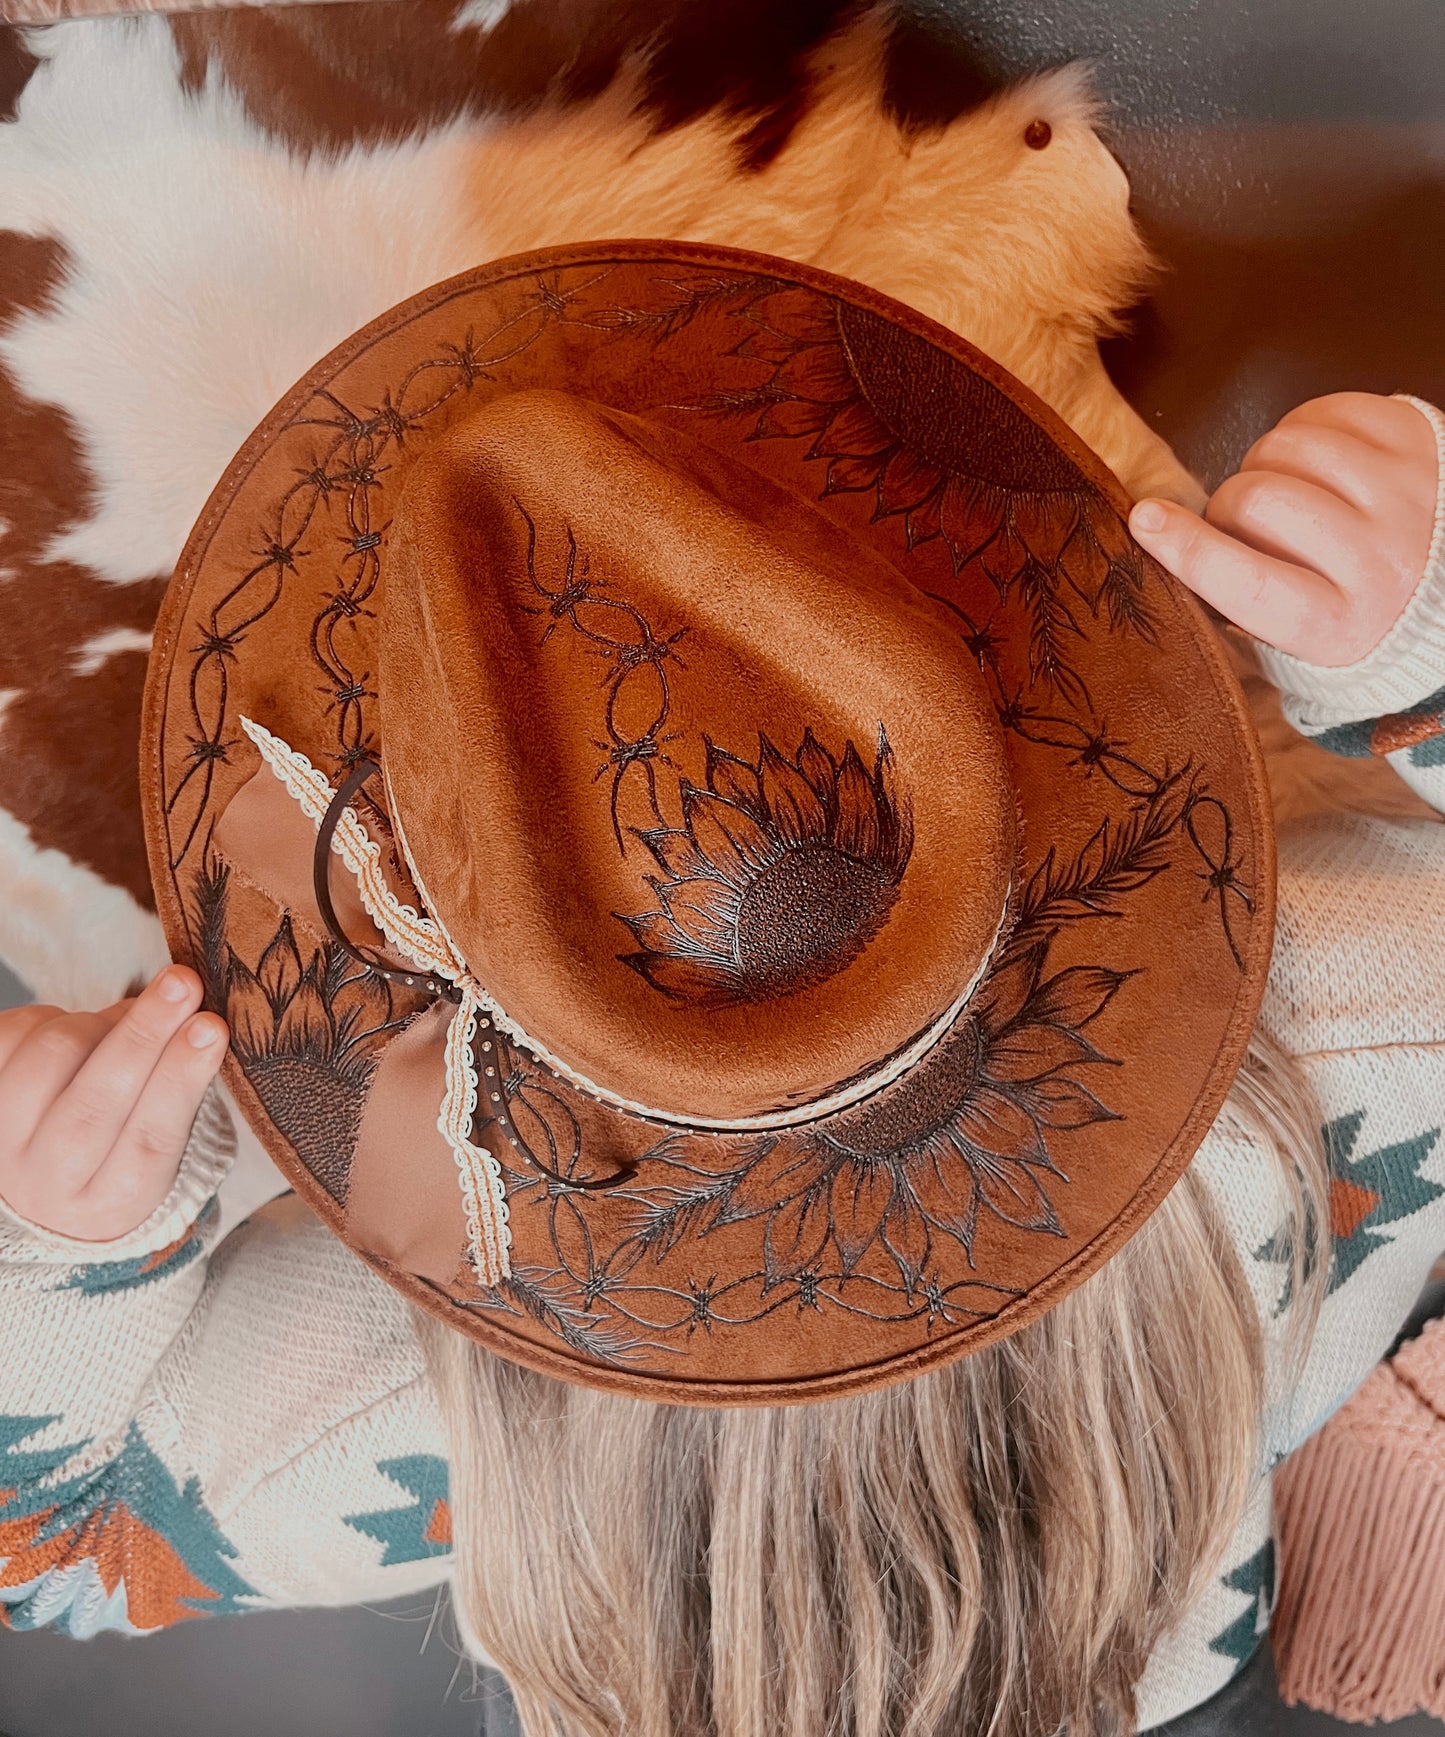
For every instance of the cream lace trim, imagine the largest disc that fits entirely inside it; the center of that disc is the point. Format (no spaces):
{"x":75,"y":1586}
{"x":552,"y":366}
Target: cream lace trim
{"x":483,"y":1193}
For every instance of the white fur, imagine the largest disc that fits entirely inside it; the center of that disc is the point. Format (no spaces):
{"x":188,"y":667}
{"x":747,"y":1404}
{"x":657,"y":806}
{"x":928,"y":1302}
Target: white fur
{"x":481,"y":14}
{"x":70,"y":936}
{"x":209,"y":268}
{"x":87,"y":658}
{"x":92,"y":653}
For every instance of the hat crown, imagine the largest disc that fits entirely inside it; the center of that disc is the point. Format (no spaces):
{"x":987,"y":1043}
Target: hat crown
{"x":698,"y":786}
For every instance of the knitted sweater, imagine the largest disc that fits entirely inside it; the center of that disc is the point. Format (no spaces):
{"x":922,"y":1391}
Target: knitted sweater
{"x":193,"y":1424}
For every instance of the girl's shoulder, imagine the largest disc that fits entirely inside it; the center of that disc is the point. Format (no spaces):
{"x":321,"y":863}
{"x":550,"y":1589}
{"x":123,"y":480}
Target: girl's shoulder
{"x":1356,"y":995}
{"x":1359,"y":956}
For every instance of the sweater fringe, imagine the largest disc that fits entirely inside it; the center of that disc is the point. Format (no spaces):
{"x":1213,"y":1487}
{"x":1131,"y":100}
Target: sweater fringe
{"x":1359,"y":1628}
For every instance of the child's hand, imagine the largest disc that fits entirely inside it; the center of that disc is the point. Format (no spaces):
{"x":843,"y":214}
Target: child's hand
{"x":96,"y":1108}
{"x":1318,"y":541}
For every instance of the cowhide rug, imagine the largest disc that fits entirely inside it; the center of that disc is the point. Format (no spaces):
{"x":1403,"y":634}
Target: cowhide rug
{"x":194,"y":209}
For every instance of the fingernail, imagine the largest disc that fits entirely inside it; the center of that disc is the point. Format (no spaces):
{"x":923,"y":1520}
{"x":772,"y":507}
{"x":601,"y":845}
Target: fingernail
{"x":202,"y":1035}
{"x":1148,"y":516}
{"x":171,"y":986}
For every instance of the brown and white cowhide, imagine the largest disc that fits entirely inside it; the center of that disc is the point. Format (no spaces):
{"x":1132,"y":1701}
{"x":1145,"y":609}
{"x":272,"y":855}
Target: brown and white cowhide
{"x":194,"y":209}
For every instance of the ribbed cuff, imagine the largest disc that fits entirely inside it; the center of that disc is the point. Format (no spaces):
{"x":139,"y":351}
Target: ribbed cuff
{"x":204,"y":1166}
{"x":1407,"y":666}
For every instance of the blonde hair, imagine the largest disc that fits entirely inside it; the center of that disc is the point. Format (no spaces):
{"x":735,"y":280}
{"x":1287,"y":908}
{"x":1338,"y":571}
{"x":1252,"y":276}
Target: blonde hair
{"x":994,"y":1547}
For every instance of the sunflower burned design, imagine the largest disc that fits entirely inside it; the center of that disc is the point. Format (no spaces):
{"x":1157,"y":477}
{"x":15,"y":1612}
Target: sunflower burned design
{"x":889,"y":415}
{"x":307,"y":1025}
{"x":963,"y":1137}
{"x":780,"y":875}
{"x":782,"y":871}
{"x":865,"y":1212}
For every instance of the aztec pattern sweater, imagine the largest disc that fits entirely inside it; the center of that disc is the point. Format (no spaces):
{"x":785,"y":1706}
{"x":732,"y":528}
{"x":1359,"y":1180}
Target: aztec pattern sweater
{"x":192,"y":1424}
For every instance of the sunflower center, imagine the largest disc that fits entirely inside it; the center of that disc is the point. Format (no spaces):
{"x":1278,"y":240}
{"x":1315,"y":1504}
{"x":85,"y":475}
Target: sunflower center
{"x":807,"y":915}
{"x":911,"y":1113}
{"x":918,"y":391}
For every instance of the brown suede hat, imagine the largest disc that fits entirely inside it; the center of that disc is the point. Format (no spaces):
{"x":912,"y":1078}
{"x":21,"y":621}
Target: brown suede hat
{"x":730,"y":876}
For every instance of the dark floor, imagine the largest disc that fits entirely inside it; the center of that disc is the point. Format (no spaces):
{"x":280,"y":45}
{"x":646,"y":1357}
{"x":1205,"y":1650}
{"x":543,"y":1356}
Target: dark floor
{"x":1287,"y":158}
{"x":390,"y":1671}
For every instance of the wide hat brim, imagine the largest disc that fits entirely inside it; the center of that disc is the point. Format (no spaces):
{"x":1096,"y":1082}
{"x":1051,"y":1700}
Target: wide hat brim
{"x":967,"y":1197}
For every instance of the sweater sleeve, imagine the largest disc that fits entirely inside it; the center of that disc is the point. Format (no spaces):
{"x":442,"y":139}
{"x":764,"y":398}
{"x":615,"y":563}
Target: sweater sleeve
{"x":1356,"y":994}
{"x":1392,"y":701}
{"x":190,"y":1427}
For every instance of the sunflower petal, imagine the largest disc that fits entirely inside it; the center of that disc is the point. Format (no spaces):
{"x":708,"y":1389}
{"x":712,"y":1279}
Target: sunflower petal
{"x":907,"y":482}
{"x":1045,"y":522}
{"x":923,"y":522}
{"x":791,"y":419}
{"x":969,"y":513}
{"x":705,"y":914}
{"x":765,"y":345}
{"x":905,"y":1235}
{"x":701,"y":983}
{"x":781,"y":1170}
{"x":1063,"y":1103}
{"x":728,"y":836}
{"x":733,"y":779}
{"x":1029,"y":1051}
{"x":862,"y":1194}
{"x":855,"y":432}
{"x":798,"y":816}
{"x":279,"y":970}
{"x":1010,"y":987}
{"x":676,"y":854}
{"x":655,"y":931}
{"x":961,"y":1224}
{"x":1110,"y":533}
{"x":802,"y":316}
{"x":1077,"y":995}
{"x":895,"y":817}
{"x":994,"y":1121}
{"x":796,"y":1235}
{"x":816,"y":373}
{"x":1014,"y":1193}
{"x":855,"y":821}
{"x":248,"y":1010}
{"x":1084,"y":562}
{"x":305,"y":1017}
{"x":1004,"y":558}
{"x":816,"y":765}
{"x":850,"y":476}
